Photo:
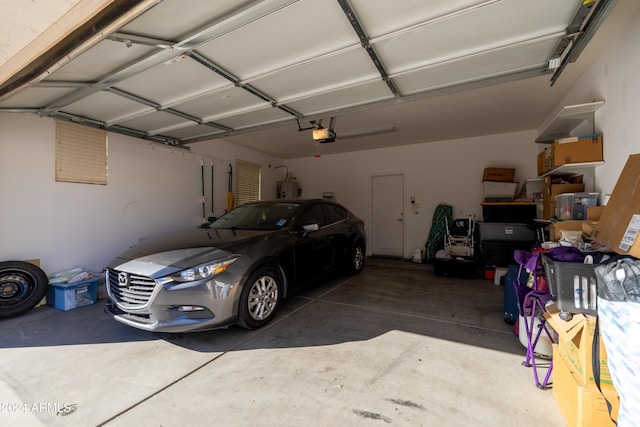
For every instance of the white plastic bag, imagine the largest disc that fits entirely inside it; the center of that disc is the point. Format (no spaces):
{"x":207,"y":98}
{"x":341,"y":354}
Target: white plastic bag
{"x":619,"y":316}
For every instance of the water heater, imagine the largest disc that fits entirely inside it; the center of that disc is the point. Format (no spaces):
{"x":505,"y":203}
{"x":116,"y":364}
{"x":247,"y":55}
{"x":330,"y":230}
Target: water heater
{"x":288,"y":190}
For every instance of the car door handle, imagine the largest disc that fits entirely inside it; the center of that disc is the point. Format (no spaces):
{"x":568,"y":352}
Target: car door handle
{"x":399,"y":219}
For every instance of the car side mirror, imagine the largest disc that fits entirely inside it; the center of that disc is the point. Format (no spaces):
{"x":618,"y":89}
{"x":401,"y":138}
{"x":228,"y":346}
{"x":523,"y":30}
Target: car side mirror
{"x":311,"y":226}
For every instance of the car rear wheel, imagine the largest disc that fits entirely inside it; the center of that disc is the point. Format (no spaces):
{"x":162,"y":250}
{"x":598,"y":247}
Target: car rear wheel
{"x":260,"y":299}
{"x":357,"y":259}
{"x":22,"y":286}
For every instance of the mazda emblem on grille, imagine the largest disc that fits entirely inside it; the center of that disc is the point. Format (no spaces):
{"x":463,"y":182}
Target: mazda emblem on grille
{"x":123,"y":279}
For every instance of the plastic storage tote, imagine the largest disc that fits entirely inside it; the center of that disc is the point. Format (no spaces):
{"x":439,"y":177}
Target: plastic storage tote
{"x":69,"y":296}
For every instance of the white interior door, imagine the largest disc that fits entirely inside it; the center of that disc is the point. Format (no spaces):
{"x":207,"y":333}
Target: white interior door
{"x":387,"y":215}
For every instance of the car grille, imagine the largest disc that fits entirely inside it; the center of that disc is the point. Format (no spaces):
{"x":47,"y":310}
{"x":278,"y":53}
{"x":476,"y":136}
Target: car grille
{"x":136,"y":292}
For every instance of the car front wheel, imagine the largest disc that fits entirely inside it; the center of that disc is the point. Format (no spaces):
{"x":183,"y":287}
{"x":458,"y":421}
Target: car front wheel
{"x":260,"y":299}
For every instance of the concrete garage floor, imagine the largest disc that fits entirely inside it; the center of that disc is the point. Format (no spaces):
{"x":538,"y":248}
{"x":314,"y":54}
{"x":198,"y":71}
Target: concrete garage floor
{"x":394,"y":345}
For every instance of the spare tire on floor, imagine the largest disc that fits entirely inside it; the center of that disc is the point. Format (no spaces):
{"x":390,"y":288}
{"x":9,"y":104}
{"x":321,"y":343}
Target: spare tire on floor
{"x":22,"y":286}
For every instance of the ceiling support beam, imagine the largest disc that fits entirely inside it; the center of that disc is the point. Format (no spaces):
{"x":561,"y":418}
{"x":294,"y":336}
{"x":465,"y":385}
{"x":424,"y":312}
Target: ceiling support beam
{"x":131,"y":39}
{"x":238,"y":83}
{"x":159,"y":107}
{"x":135,"y":98}
{"x":366,"y":45}
{"x":233,"y":79}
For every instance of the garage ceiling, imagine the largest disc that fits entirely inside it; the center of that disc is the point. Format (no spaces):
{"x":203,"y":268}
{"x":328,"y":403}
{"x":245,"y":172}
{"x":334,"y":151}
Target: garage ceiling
{"x":257,"y":72}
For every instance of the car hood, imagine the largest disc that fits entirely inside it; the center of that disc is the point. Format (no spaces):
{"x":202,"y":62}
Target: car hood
{"x":174,"y":252}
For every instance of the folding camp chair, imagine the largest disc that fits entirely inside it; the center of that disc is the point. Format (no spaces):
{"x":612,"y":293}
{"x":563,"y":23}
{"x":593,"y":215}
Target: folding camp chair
{"x":459,"y":240}
{"x":531,"y":306}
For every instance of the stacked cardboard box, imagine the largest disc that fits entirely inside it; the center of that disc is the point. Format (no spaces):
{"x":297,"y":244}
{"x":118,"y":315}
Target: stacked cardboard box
{"x":580,"y":149}
{"x":574,"y":387}
{"x":498,"y":184}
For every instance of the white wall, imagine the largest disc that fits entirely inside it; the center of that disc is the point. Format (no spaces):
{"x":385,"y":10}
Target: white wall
{"x":152,"y":189}
{"x":442,"y":172}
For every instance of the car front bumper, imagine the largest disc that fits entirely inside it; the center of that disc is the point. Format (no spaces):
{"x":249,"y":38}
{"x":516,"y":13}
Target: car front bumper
{"x":179,"y":307}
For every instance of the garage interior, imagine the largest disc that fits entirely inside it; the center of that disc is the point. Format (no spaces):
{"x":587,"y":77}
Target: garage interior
{"x":419,"y":96}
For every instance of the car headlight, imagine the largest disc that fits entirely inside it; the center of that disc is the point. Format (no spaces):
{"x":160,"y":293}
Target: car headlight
{"x":203,"y":271}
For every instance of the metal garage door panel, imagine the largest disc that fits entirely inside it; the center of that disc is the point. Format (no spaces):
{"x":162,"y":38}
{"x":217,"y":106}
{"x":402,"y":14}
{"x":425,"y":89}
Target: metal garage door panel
{"x":282,"y":39}
{"x":107,"y":107}
{"x":171,"y":82}
{"x":155,"y":122}
{"x":477,"y":67}
{"x":172,"y":19}
{"x":100,"y":61}
{"x":192,"y":132}
{"x":304,"y":56}
{"x":35,"y":97}
{"x":221,"y":103}
{"x":329,"y":72}
{"x":258,"y":117}
{"x":381,"y":17}
{"x":343,"y":98}
{"x":483,"y":29}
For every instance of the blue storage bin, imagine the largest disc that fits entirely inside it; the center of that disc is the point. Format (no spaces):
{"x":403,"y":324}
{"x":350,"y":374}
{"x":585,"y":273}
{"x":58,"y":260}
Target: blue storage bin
{"x":69,"y":296}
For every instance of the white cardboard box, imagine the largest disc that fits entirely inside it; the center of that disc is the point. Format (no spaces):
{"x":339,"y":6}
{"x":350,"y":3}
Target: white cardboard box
{"x":499,"y":190}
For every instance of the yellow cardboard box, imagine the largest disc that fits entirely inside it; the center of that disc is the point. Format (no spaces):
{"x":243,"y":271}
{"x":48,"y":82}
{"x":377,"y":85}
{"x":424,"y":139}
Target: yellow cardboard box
{"x":581,"y":405}
{"x":575,"y":340}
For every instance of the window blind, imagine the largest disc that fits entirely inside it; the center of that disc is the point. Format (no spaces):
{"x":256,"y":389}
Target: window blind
{"x":247,"y":182}
{"x":81,"y":154}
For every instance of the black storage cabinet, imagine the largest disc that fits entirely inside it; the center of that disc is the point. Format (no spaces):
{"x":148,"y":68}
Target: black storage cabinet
{"x":499,"y":240}
{"x":522,"y":212}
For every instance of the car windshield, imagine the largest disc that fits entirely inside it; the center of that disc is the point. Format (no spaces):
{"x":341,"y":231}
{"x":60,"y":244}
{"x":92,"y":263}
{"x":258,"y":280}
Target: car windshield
{"x":257,"y":216}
